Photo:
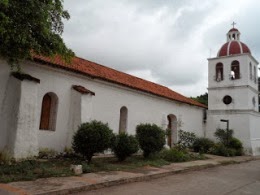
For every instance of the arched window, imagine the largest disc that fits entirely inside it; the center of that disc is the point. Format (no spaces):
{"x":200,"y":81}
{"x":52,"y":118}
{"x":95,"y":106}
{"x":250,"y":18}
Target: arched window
{"x":49,"y":112}
{"x":172,"y":130}
{"x":235,"y":71}
{"x":254,"y":74}
{"x":250,"y":71}
{"x":123,"y":120}
{"x":219,"y":72}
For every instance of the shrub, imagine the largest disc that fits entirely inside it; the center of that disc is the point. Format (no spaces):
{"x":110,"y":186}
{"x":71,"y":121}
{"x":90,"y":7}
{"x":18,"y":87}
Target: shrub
{"x":237,"y":145}
{"x":151,"y":138}
{"x":186,"y":139}
{"x":202,"y":145}
{"x":221,"y":150}
{"x":124,"y":145}
{"x":5,"y":157}
{"x":47,"y":153}
{"x":91,"y":137}
{"x":233,"y":146}
{"x":174,"y":155}
{"x":224,"y":135}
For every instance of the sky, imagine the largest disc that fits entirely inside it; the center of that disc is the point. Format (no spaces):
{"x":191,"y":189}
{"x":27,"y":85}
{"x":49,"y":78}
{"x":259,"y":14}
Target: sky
{"x":164,"y":41}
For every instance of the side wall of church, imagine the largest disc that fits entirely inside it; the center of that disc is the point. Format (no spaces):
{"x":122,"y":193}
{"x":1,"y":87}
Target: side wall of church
{"x":240,"y":123}
{"x":106,"y":104}
{"x":255,"y":133}
{"x":4,"y":77}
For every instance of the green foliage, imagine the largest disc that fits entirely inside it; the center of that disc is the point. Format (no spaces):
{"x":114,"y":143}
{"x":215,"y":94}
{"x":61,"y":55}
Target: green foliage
{"x":186,"y":139}
{"x":32,"y":26}
{"x":203,"y":99}
{"x":228,"y":145}
{"x":124,"y":145}
{"x":5,"y":157}
{"x":151,"y":138}
{"x":92,"y":137}
{"x":33,"y":169}
{"x":69,"y":153}
{"x":174,"y":155}
{"x":47,"y":153}
{"x":237,"y":145}
{"x":202,"y":145}
{"x":221,"y":150}
{"x":177,"y":154}
{"x":224,"y":135}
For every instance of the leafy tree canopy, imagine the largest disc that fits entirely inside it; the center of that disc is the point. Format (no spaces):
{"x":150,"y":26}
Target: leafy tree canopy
{"x":203,"y":99}
{"x":30,"y":26}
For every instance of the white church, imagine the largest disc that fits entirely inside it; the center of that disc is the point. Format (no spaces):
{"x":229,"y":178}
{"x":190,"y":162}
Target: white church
{"x":43,"y":107}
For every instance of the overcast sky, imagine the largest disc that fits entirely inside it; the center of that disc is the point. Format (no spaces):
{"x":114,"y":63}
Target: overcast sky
{"x":164,"y":41}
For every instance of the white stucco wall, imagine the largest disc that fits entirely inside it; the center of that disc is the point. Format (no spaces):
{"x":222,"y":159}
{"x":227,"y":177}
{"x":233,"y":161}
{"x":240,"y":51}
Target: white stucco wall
{"x":255,"y":133}
{"x":18,"y":116}
{"x":244,"y":61}
{"x":9,"y":113}
{"x":25,"y":140}
{"x":238,"y":121}
{"x":4,"y":77}
{"x":242,"y":98}
{"x":242,"y":112}
{"x":241,"y":90}
{"x":105,"y":105}
{"x":80,"y":111}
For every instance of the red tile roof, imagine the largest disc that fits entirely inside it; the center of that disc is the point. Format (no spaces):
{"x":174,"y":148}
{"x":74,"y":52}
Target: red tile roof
{"x":98,"y":71}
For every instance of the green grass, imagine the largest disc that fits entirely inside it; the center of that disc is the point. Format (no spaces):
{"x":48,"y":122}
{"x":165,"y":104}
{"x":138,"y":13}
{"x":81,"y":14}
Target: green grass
{"x":112,"y":164}
{"x":39,"y":168}
{"x":33,"y":169}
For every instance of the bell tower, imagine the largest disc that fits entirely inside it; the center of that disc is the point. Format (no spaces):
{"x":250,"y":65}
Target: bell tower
{"x":233,"y":91}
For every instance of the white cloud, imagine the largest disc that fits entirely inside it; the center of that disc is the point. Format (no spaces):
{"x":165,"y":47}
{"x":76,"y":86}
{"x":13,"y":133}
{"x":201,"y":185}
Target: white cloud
{"x":163,"y":41}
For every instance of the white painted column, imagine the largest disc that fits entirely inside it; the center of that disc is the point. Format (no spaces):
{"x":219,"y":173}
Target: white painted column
{"x":80,"y":111}
{"x":21,"y":119}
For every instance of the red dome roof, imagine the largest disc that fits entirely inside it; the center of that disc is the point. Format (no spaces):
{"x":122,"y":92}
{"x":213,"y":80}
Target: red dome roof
{"x":233,"y":29}
{"x":233,"y":45}
{"x":232,"y":48}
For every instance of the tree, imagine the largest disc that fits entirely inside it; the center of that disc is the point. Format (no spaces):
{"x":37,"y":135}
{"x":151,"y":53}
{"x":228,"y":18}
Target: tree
{"x":31,"y":27}
{"x":203,"y":99}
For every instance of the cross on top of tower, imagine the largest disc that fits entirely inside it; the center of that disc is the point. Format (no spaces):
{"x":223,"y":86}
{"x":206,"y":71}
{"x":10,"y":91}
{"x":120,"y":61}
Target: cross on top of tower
{"x":233,"y":24}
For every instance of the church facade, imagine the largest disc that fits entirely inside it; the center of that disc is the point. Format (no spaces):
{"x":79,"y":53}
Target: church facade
{"x":233,"y":92}
{"x":43,"y":106}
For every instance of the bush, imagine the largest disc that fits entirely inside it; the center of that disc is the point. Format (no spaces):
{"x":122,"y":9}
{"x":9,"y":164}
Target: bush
{"x":224,"y":136}
{"x":151,"y":138}
{"x":186,"y":139}
{"x":221,"y":150}
{"x":124,"y":145}
{"x":5,"y":157}
{"x":47,"y":153}
{"x":202,"y":145}
{"x":174,"y":155}
{"x":233,"y":146}
{"x":237,"y":145}
{"x":91,"y":137}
